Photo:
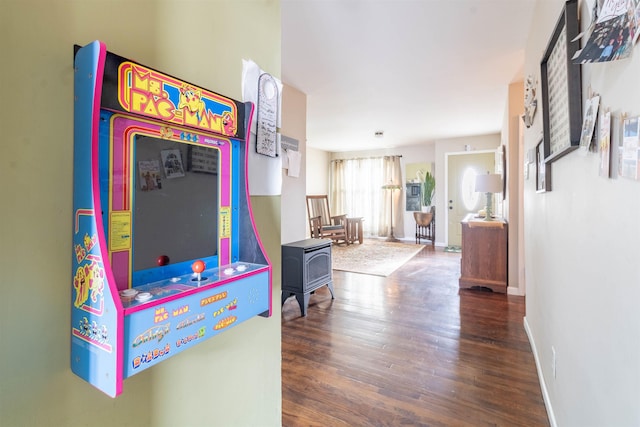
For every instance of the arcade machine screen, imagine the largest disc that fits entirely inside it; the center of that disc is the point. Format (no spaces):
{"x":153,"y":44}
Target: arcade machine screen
{"x":175,"y":213}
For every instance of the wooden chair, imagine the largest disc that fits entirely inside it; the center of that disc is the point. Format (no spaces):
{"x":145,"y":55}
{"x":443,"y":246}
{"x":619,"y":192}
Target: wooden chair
{"x":322,"y":224}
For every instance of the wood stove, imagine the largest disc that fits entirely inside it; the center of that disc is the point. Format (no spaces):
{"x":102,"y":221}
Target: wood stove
{"x":306,"y":266}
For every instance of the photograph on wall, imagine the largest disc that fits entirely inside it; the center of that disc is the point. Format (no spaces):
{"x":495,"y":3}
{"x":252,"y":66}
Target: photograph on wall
{"x":604,"y":144}
{"x":636,"y":20}
{"x":203,"y":159}
{"x":541,"y":176}
{"x":612,"y":35}
{"x":630,"y":161}
{"x":413,"y":198}
{"x":530,"y":100}
{"x":172,"y":163}
{"x":589,"y":122}
{"x":149,"y":172}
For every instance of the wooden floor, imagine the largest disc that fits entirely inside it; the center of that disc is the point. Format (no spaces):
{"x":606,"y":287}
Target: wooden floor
{"x":410,"y":349}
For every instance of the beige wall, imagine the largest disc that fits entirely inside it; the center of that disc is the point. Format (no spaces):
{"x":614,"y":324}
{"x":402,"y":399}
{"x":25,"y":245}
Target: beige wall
{"x":294,"y":208}
{"x":581,"y":254}
{"x":318,"y":164}
{"x":230,"y":380}
{"x":513,"y":204}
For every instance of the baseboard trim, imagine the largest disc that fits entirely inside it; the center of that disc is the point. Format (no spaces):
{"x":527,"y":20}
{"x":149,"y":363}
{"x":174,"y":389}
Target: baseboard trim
{"x":409,"y":239}
{"x":543,"y":384}
{"x":514,"y":291}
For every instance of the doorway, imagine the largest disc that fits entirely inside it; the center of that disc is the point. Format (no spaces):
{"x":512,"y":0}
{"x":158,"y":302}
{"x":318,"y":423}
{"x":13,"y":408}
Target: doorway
{"x":462,"y":199}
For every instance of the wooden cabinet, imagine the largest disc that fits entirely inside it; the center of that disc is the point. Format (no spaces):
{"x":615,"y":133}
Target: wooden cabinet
{"x":484,"y":254}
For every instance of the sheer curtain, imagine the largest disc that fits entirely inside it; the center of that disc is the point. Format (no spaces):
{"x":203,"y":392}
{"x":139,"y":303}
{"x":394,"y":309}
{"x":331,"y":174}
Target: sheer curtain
{"x":356,"y":190}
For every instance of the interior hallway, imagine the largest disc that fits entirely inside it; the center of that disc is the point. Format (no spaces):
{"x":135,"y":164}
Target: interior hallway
{"x":409,"y":349}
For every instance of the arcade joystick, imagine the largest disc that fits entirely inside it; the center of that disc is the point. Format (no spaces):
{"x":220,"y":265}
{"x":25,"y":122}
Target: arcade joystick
{"x":163,"y":260}
{"x":198,"y":267}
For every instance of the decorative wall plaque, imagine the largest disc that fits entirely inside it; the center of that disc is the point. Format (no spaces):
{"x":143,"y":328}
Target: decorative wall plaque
{"x":266,"y":136}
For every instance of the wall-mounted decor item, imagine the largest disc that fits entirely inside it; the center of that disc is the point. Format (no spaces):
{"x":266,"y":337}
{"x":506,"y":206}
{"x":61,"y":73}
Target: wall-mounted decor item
{"x":267,"y":116}
{"x":291,"y":155}
{"x":203,"y":159}
{"x":612,"y":33}
{"x":414,"y":196}
{"x":589,"y":123}
{"x":530,"y":100}
{"x":503,"y":169}
{"x":630,"y":164}
{"x":529,"y":159}
{"x":604,"y":144}
{"x":149,"y":171}
{"x":543,"y":170}
{"x":561,"y":87}
{"x":172,"y":163}
{"x":288,"y":143}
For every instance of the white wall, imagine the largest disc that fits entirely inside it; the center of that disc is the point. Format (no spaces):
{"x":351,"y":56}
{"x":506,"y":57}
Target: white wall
{"x":582,"y":262}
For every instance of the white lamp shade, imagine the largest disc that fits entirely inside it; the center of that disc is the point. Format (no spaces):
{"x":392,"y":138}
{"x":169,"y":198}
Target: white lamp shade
{"x":489,"y":183}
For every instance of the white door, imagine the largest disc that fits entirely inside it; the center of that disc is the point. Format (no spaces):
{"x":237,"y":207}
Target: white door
{"x":461,"y":196}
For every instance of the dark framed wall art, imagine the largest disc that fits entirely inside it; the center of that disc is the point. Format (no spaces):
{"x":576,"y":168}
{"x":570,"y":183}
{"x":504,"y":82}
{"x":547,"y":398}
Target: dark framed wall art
{"x":561,"y":87}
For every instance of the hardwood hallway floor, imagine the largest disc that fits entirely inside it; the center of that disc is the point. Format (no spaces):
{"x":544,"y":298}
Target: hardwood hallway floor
{"x":408,"y":350}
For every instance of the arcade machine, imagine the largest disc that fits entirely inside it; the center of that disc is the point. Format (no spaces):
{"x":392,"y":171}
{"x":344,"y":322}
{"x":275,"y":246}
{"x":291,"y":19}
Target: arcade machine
{"x":166,"y":253}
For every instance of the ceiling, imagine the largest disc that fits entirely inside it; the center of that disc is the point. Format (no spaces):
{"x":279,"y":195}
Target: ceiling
{"x":418,"y":70}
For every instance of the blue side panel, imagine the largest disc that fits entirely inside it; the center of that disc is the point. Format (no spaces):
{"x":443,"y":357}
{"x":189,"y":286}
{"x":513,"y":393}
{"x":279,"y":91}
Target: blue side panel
{"x":159,"y":332}
{"x":103,"y":173}
{"x":94,"y":316}
{"x":235,"y":199}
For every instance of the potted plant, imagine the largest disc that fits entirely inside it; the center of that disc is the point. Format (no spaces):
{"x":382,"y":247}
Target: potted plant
{"x":428,"y":191}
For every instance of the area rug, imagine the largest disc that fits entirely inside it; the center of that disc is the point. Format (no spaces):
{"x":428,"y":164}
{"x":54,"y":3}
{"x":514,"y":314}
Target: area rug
{"x":375,"y":257}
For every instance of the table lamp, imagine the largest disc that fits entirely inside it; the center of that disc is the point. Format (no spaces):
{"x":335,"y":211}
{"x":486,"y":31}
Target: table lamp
{"x":489,"y":184}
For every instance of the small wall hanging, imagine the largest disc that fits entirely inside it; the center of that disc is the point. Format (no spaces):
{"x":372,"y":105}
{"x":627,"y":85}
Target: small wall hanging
{"x":530,"y":100}
{"x":267,"y":116}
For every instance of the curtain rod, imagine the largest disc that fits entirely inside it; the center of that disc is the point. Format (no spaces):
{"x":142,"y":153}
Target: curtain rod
{"x":366,"y":158}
